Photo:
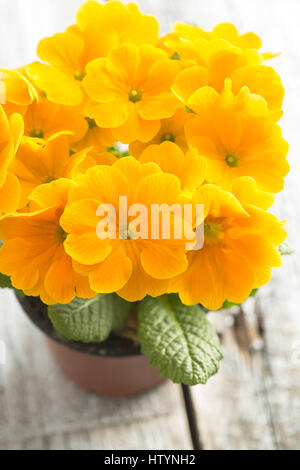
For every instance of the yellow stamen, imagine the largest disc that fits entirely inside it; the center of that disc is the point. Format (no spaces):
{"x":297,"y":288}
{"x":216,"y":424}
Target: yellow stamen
{"x":60,"y":234}
{"x":213,"y":232}
{"x":135,"y":95}
{"x":79,"y":75}
{"x":49,"y":179}
{"x":167,"y":137}
{"x":37,"y":133}
{"x":231,"y":160}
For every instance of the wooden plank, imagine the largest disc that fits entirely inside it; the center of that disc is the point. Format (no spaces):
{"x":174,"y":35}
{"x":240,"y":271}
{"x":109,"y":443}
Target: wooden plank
{"x":254,"y":401}
{"x":231,"y":410}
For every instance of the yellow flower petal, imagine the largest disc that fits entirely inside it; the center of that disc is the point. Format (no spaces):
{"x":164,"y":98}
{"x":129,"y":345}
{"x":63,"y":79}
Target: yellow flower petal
{"x":59,"y":87}
{"x":113,"y":273}
{"x":63,"y":51}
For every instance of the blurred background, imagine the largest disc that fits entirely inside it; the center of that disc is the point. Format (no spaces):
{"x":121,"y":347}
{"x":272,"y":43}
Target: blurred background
{"x":254,"y":402}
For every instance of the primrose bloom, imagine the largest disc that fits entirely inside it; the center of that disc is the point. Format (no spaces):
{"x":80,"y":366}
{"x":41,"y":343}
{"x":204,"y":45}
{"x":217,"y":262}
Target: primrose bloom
{"x":190,"y":167}
{"x":39,"y":163}
{"x":225,"y":31}
{"x":126,"y":22}
{"x":171,"y":130}
{"x":67,"y":55}
{"x":130,"y":92}
{"x":131,"y":264}
{"x":214,"y":60}
{"x":11,"y":131}
{"x":261,"y":80}
{"x":18,"y":92}
{"x":43,"y":119}
{"x":238,"y":137}
{"x":33,"y":252}
{"x":98,"y":138}
{"x":240,"y":247}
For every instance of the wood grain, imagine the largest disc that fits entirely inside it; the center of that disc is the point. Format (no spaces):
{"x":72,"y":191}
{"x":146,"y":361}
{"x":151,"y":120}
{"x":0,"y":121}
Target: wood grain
{"x":254,"y":401}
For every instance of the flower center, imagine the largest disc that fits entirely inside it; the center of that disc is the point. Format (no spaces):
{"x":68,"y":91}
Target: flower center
{"x":79,"y":75}
{"x":135,"y":95}
{"x":231,"y":160}
{"x":91,"y":122}
{"x":60,"y":234}
{"x":213,"y":232}
{"x":37,"y":133}
{"x":49,"y":179}
{"x":175,"y":56}
{"x":168,"y":137}
{"x":124,"y":233}
{"x":127,"y":233}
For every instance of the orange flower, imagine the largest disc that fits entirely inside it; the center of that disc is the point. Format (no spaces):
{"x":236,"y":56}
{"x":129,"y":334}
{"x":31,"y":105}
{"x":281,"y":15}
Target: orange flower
{"x":238,"y":137}
{"x":215,"y":61}
{"x":171,"y":130}
{"x":17,"y":91}
{"x":126,"y":21}
{"x":190,"y":168}
{"x":94,"y":158}
{"x":260,"y":79}
{"x":11,"y":132}
{"x":67,"y":55}
{"x":225,"y":31}
{"x":99,"y":139}
{"x":131,"y":266}
{"x":43,"y":120}
{"x":37,"y":163}
{"x":130,"y":91}
{"x":33,"y":251}
{"x":239,"y":249}
{"x":101,"y":142}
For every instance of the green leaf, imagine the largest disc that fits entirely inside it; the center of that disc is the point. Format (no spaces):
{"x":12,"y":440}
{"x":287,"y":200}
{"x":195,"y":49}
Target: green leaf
{"x":90,"y":320}
{"x":286,"y":249}
{"x":5,"y":281}
{"x":178,"y":339}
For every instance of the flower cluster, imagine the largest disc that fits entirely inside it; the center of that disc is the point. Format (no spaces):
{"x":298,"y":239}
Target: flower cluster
{"x":199,"y":112}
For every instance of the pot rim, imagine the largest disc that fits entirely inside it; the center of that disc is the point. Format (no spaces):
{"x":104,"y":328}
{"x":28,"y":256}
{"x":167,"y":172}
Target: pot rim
{"x":111,"y":348}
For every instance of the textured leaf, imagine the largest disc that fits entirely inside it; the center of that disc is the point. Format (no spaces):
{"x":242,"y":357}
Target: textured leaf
{"x":90,"y":320}
{"x":178,"y":339}
{"x":5,"y":281}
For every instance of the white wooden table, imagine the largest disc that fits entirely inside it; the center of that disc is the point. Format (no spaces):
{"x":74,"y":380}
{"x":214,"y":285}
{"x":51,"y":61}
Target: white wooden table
{"x":254,"y":402}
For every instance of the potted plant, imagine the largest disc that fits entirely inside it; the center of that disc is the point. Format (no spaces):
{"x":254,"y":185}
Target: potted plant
{"x":116,"y":253}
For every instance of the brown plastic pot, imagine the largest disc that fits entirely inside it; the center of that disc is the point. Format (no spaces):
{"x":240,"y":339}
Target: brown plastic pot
{"x":114,"y":368}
